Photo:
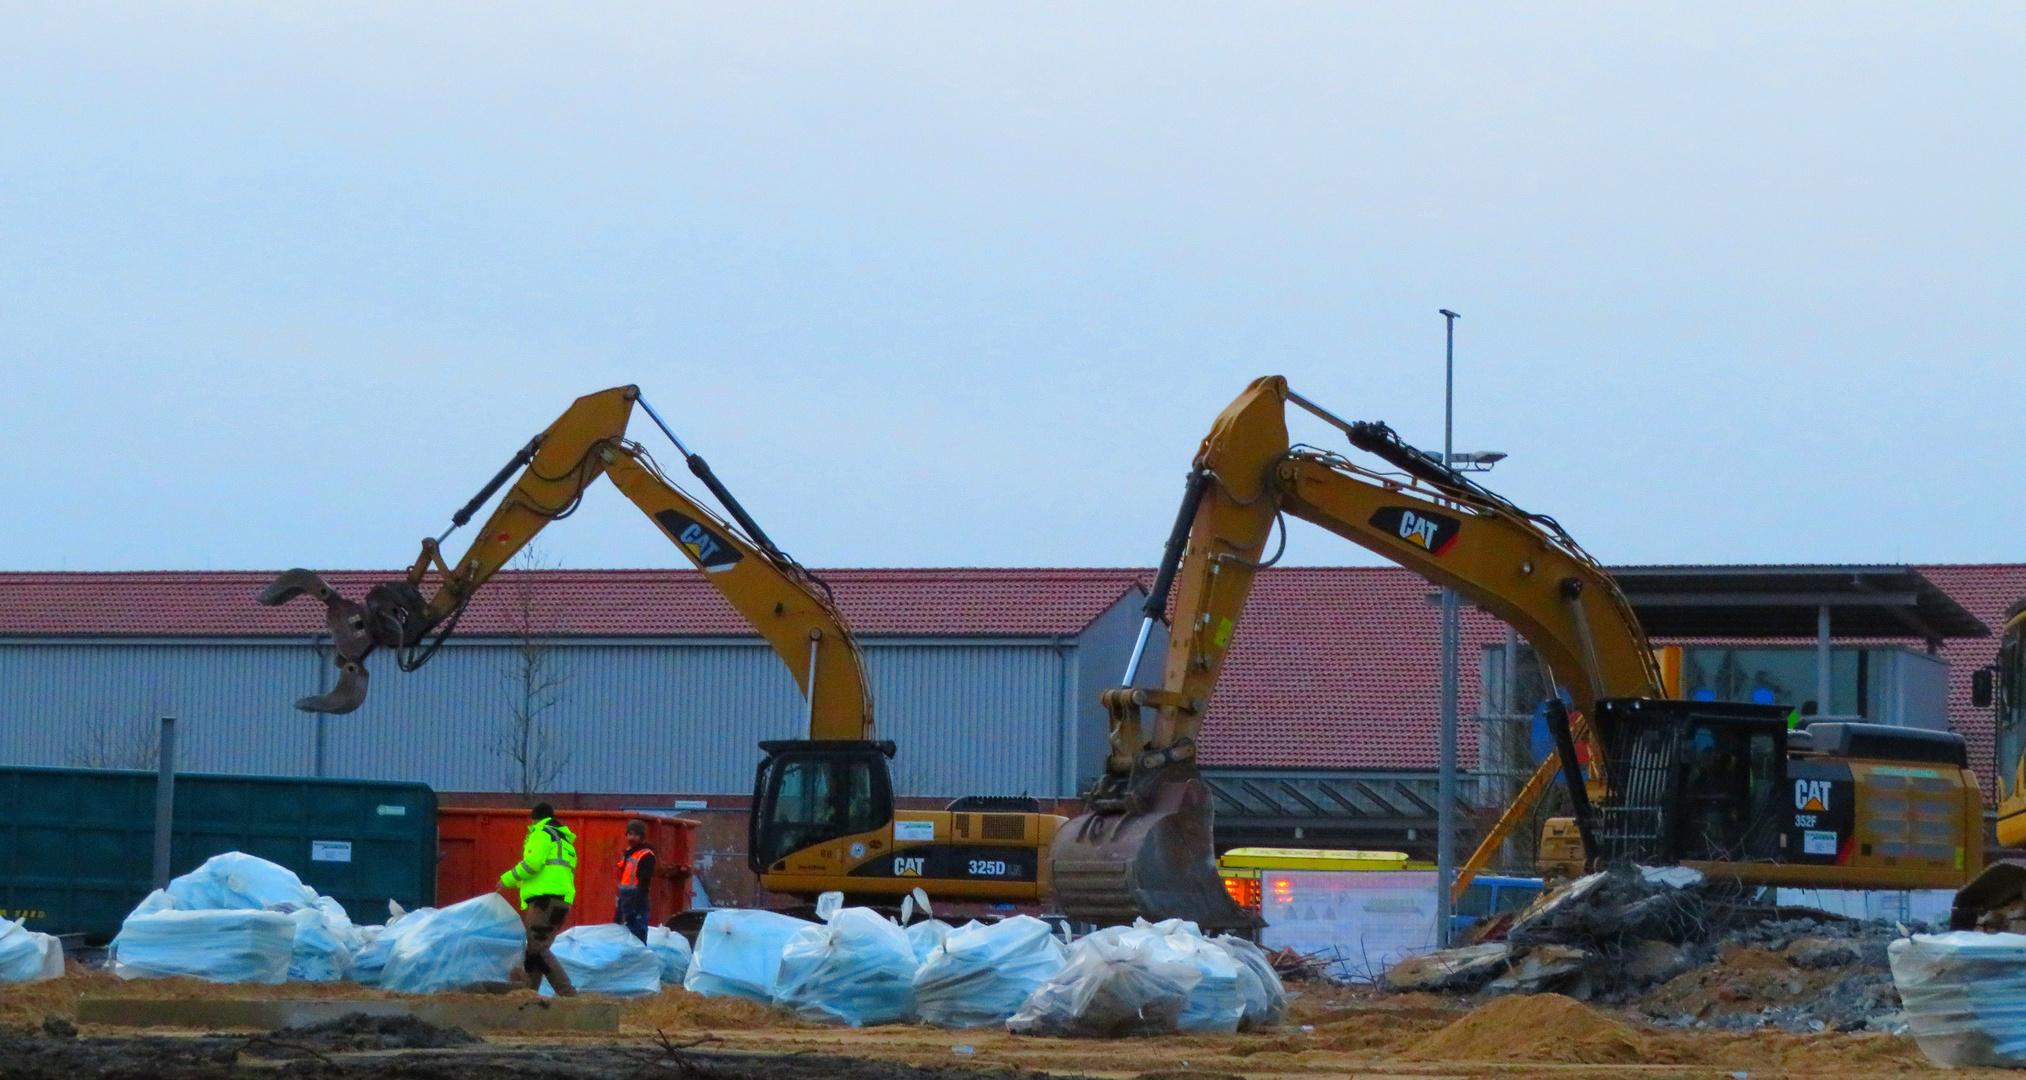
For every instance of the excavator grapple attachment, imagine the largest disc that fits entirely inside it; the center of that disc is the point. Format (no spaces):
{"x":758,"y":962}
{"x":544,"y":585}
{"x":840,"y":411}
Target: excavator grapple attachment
{"x":349,"y":694}
{"x":1146,"y":851}
{"x":388,"y":617}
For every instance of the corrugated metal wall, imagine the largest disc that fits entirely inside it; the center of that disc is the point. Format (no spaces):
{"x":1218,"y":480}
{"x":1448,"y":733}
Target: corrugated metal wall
{"x":981,"y":717}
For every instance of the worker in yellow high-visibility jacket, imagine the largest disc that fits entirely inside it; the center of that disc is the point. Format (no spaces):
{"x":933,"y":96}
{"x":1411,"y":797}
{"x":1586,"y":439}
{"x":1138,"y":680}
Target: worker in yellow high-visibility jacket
{"x":546,"y":878}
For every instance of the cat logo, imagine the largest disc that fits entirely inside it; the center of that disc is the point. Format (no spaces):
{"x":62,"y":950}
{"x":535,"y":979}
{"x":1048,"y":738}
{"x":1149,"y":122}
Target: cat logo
{"x":711,"y":551}
{"x":907,"y":866}
{"x":1433,"y":533}
{"x":1812,"y":795}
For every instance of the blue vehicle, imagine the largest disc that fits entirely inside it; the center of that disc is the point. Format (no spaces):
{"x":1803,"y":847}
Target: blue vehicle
{"x":1488,"y":896}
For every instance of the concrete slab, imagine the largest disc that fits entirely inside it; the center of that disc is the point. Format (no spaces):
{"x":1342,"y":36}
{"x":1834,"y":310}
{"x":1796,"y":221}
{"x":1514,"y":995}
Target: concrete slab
{"x":478,"y":1017}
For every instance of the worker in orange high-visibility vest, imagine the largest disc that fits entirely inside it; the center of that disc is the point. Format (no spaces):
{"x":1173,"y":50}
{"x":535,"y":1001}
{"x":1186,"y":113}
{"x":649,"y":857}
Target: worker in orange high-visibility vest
{"x":636,"y":872}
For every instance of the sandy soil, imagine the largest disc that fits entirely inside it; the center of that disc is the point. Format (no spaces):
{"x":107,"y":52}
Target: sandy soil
{"x":1331,"y":1032}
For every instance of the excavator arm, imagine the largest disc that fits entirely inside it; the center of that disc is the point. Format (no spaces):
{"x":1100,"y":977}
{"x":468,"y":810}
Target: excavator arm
{"x":1142,"y":846}
{"x":785,"y":603}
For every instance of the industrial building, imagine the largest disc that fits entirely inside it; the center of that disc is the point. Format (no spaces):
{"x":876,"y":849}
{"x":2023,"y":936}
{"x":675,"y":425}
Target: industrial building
{"x":636,"y":683}
{"x":645,"y":688}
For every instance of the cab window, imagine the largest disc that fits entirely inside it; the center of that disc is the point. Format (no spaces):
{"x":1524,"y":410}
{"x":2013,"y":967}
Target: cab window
{"x":811,"y":800}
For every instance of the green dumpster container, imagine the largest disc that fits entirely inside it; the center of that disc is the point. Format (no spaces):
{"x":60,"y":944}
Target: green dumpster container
{"x":77,"y":845}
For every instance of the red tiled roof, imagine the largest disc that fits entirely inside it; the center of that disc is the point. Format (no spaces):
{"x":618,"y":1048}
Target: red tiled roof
{"x":1331,"y":667}
{"x":1338,"y":667}
{"x":590,"y":602}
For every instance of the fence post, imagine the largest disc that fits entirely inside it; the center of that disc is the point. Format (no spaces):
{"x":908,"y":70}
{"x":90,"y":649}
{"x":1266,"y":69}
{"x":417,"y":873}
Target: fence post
{"x":165,"y":799}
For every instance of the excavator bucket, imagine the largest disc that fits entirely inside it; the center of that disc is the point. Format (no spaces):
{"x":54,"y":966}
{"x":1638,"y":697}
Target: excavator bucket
{"x":1993,"y":895}
{"x":1147,"y":854}
{"x":356,"y":630}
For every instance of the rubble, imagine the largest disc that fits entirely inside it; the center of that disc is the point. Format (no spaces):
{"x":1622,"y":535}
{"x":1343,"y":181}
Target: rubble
{"x":1651,"y":962}
{"x":1683,"y":952}
{"x":1540,"y":968}
{"x":1456,"y":970}
{"x":1615,"y":906}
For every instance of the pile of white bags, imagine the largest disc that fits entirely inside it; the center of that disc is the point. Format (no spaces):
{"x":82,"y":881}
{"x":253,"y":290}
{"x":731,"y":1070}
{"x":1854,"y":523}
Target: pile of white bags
{"x":1965,"y":996}
{"x":217,"y":946}
{"x":863,"y":969}
{"x":926,"y":935}
{"x":673,"y":950}
{"x":606,"y":959}
{"x":380,"y":941}
{"x":1111,"y":988}
{"x":981,"y":974}
{"x":1216,"y":1004}
{"x":738,"y":953}
{"x":479,"y":940}
{"x":1154,"y":978}
{"x":859,"y":969}
{"x":236,"y":881}
{"x":200,"y":925}
{"x":321,"y":951}
{"x":26,"y":956}
{"x":1265,"y":997}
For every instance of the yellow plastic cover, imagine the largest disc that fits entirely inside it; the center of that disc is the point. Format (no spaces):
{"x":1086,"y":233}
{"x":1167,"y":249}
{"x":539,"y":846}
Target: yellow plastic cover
{"x":1301,"y":859}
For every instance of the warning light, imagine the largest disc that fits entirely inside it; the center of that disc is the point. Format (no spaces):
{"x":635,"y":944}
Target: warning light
{"x":1282,"y":889}
{"x":1244,"y":890}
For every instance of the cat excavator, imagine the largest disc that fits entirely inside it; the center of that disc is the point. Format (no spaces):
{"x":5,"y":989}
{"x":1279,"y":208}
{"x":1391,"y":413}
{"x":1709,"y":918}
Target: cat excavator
{"x":823,"y":815}
{"x":1993,"y":899}
{"x":1721,"y":786}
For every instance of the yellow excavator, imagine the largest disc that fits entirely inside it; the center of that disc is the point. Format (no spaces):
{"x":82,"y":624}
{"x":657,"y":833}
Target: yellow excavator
{"x":2003,"y":883}
{"x":2009,"y":700}
{"x":823,"y":815}
{"x":1721,"y":786}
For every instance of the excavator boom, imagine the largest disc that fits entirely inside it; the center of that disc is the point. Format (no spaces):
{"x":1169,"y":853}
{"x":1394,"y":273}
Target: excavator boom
{"x":823,"y":814}
{"x":784,"y":602}
{"x":1142,"y":847}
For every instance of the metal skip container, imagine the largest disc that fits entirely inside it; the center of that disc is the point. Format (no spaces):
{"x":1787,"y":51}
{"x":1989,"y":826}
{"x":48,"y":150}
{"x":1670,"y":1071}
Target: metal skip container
{"x":480,"y":843}
{"x":77,"y":845}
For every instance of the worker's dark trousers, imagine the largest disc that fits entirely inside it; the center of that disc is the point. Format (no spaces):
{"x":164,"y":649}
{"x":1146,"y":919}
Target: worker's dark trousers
{"x":543,"y":917}
{"x":631,"y":911}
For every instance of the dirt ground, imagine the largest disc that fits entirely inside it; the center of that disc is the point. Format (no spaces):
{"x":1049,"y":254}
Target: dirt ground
{"x":1331,"y":1032}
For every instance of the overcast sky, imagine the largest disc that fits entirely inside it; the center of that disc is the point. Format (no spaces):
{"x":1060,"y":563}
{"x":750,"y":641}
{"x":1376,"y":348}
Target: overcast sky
{"x":965,"y":284}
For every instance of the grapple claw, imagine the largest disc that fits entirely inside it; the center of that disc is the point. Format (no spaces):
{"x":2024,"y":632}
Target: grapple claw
{"x":391,"y":615}
{"x":349,"y":694}
{"x":290,"y":584}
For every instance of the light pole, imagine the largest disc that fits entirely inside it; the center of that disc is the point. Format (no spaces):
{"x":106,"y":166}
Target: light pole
{"x":1445,"y":781}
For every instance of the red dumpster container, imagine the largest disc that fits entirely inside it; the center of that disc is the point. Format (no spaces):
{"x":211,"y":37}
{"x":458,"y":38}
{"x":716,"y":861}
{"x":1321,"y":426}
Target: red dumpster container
{"x":476,"y":845}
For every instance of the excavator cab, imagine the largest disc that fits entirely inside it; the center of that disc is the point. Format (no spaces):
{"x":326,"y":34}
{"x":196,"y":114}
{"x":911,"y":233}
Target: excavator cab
{"x":1690,"y":781}
{"x":808,"y":792}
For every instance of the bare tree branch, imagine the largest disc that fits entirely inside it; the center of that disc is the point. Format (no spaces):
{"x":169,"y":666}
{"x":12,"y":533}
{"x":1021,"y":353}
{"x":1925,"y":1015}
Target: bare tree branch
{"x":114,"y":742}
{"x":533,"y":679}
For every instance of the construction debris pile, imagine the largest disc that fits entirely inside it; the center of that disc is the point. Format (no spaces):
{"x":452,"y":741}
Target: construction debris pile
{"x":1684,"y":953}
